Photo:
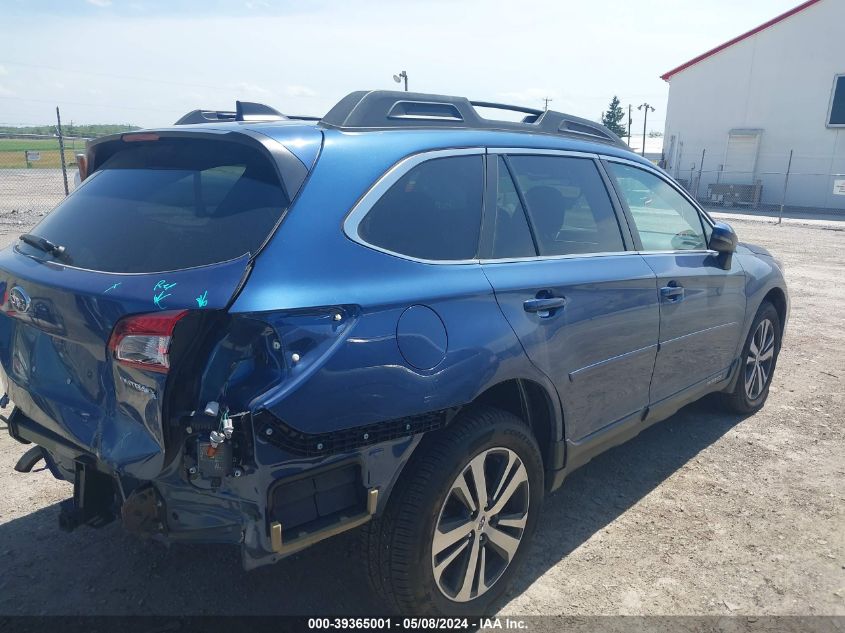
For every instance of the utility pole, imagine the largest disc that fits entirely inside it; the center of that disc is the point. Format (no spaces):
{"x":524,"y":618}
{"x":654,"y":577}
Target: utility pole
{"x":645,"y":121}
{"x":630,"y":121}
{"x":546,"y":103}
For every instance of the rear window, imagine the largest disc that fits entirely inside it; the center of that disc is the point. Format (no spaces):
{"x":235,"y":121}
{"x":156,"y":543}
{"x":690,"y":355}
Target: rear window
{"x":168,"y":205}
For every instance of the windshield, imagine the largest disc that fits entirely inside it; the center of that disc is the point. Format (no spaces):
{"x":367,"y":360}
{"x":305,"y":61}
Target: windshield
{"x":166,"y":205}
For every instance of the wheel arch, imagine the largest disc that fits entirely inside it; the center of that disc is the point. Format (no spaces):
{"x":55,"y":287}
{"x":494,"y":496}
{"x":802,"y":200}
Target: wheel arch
{"x":532,"y":403}
{"x":777,"y":297}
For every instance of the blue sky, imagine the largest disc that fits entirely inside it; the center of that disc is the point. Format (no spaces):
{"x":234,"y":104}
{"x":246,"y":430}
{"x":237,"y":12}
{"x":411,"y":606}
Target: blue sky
{"x":148,"y":61}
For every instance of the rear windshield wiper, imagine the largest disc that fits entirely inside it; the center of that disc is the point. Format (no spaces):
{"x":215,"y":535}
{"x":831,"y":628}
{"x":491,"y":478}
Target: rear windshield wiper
{"x":43,"y":244}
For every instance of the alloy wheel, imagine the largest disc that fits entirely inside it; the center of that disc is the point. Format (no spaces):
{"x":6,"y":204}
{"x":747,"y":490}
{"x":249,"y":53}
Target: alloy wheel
{"x":761,"y":356}
{"x":480,"y":525}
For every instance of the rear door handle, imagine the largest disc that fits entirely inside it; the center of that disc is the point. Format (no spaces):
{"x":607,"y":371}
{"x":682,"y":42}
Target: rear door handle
{"x":672,"y":293}
{"x":544,"y":305}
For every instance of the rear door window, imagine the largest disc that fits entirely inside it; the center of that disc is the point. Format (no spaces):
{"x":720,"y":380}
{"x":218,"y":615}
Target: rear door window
{"x":168,"y":205}
{"x":433,"y":212}
{"x":511,"y":235}
{"x":568,"y":205}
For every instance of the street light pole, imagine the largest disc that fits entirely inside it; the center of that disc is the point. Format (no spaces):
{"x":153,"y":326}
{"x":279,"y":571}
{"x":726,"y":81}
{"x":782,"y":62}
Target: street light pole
{"x":630,"y":120}
{"x":645,"y":121}
{"x":398,"y":79}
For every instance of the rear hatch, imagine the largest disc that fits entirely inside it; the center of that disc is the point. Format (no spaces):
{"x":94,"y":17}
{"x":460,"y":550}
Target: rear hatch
{"x":100,"y":293}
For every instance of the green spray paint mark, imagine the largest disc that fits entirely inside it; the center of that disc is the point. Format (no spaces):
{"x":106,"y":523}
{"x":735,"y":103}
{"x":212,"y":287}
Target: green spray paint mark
{"x":202,"y":300}
{"x":112,"y":287}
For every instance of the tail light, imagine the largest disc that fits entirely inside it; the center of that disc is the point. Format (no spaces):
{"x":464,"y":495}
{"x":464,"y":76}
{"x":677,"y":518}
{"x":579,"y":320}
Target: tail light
{"x":134,"y":137}
{"x":82,"y":166}
{"x":143,"y":340}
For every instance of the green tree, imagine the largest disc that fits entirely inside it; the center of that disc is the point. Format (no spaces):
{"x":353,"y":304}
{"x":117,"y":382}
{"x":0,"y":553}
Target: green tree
{"x":612,"y":119}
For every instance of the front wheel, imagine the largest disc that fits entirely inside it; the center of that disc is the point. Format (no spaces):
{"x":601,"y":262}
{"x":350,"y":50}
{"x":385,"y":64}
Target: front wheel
{"x":757,"y":363}
{"x":459,"y":521}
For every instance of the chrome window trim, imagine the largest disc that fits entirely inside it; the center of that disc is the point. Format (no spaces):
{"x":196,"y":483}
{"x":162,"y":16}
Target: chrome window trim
{"x":665,"y":178}
{"x":517,"y":260}
{"x":385,"y":182}
{"x":403,"y":166}
{"x":700,"y":251}
{"x":541,"y":152}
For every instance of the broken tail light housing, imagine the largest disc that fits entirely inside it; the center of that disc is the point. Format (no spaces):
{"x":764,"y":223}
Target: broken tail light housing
{"x":143,"y":340}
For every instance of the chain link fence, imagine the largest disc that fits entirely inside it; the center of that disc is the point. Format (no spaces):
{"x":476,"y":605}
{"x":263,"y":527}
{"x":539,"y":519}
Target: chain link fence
{"x":32,"y":181}
{"x":777,"y":183}
{"x":31,"y":177}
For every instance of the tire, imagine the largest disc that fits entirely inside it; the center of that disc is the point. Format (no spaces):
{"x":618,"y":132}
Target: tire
{"x":400,"y":548}
{"x":756,"y":368}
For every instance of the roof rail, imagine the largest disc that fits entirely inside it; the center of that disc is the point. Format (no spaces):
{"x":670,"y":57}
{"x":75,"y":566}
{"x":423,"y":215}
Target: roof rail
{"x":244,"y":111}
{"x":385,"y":109}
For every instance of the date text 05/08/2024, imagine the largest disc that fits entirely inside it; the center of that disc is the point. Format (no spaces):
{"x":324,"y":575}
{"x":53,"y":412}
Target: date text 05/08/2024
{"x":421,"y":623}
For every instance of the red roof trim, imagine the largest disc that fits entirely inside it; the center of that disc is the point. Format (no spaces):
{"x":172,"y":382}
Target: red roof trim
{"x":721,"y":47}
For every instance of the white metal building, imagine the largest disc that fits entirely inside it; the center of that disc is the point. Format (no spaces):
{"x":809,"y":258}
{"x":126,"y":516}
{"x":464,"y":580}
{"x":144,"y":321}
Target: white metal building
{"x":748,"y":103}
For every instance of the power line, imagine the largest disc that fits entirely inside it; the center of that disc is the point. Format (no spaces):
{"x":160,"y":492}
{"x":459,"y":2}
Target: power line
{"x":92,"y":105}
{"x":116,"y":76}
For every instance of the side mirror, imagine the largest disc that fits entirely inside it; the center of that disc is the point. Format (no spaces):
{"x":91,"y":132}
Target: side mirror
{"x":723,"y":240}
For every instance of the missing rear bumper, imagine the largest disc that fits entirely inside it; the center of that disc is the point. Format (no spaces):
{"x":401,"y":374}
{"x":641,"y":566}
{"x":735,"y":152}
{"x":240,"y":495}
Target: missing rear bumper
{"x":94,"y":499}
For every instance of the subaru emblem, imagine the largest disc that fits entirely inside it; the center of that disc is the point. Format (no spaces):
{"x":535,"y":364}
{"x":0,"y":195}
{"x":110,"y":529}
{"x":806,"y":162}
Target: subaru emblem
{"x":19,"y":300}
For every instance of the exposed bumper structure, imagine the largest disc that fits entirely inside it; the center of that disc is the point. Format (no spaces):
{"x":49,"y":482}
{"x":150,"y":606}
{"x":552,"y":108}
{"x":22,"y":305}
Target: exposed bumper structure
{"x":271,"y":511}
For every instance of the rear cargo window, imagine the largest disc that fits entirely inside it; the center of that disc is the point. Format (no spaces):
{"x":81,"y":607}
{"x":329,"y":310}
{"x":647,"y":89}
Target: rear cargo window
{"x":433,"y":212}
{"x":168,"y":205}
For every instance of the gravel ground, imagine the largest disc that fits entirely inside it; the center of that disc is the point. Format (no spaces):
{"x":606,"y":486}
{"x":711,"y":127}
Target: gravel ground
{"x":704,"y":514}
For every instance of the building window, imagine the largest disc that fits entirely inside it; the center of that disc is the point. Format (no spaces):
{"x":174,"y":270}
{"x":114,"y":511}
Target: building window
{"x":836,"y":116}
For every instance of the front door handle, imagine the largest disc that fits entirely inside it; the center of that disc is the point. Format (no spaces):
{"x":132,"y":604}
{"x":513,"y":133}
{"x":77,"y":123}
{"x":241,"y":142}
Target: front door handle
{"x":673,"y":293}
{"x":543,"y":306}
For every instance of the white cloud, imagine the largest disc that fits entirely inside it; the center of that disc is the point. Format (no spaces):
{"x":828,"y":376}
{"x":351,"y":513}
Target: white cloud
{"x":3,"y":71}
{"x":299,"y":91}
{"x":5,"y":92}
{"x":100,"y":3}
{"x":251,"y":88}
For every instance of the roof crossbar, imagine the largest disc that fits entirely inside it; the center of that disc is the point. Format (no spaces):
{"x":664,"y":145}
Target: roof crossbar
{"x":386,"y":109}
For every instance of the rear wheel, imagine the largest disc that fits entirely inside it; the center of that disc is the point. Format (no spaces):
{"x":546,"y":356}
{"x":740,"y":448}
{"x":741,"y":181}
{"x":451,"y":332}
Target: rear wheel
{"x":457,"y":525}
{"x":757,"y":363}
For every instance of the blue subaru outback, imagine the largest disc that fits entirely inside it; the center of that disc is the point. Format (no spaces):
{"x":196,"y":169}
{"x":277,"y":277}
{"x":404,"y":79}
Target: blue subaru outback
{"x":403,"y":317}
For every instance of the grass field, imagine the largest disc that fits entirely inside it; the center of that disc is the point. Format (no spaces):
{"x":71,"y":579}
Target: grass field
{"x":13,"y":152}
{"x":20,"y":144}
